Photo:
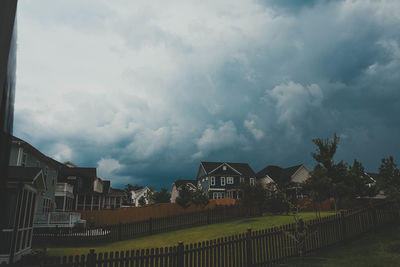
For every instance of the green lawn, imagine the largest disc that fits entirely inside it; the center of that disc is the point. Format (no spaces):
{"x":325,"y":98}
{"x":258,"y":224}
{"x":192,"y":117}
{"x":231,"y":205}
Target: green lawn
{"x":370,"y":250}
{"x":187,"y":236}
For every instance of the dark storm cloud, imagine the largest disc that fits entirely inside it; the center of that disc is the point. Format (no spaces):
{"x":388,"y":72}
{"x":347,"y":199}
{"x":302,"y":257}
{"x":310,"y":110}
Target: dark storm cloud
{"x":252,"y":83}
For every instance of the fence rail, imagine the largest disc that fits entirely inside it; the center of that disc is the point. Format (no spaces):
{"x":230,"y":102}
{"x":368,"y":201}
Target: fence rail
{"x":251,"y":249}
{"x":137,"y":229}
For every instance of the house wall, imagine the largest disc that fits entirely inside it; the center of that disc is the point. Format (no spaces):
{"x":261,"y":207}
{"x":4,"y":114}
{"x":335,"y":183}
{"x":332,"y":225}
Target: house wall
{"x":46,"y":201}
{"x":174,"y":193}
{"x":301,"y":175}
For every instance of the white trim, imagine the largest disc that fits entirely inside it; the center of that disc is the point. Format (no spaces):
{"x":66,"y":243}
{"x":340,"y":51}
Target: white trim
{"x":223,"y":181}
{"x":233,"y":169}
{"x":226,"y":165}
{"x":230,"y":179}
{"x":216,"y":168}
{"x":19,"y":157}
{"x":212,"y":180}
{"x":217,"y":189}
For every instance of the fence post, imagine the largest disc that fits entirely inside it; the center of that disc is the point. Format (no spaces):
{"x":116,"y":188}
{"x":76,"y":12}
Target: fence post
{"x":343,"y":225}
{"x":180,"y":255}
{"x":91,"y":259}
{"x":120,"y":231}
{"x":150,"y":225}
{"x":249,"y":248}
{"x":374,"y":217}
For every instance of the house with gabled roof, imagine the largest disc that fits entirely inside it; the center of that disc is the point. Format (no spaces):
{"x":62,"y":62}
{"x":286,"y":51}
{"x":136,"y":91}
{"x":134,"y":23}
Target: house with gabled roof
{"x":177,"y":185}
{"x":272,"y":176}
{"x":223,"y":179}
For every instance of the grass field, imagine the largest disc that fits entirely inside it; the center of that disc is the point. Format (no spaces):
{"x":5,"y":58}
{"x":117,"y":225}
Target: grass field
{"x":381,"y":249}
{"x":187,"y":236}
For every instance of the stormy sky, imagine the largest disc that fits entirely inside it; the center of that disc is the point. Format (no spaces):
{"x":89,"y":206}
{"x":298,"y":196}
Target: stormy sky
{"x":145,"y":90}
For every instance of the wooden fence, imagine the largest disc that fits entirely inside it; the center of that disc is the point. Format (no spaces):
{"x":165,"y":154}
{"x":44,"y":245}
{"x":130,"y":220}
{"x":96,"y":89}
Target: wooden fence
{"x":55,"y":236}
{"x":250,"y":249}
{"x":136,"y":214}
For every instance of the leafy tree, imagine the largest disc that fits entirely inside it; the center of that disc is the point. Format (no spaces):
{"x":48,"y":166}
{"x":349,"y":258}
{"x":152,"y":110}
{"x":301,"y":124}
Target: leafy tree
{"x":337,"y":180}
{"x":319,"y":185}
{"x":253,"y":196}
{"x":390,"y":182}
{"x":199,"y":197}
{"x":142,"y":201}
{"x":160,"y":197}
{"x":185,"y":196}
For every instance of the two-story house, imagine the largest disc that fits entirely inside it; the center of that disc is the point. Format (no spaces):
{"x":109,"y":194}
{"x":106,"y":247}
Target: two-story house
{"x":89,"y":192}
{"x":23,"y":154}
{"x":223,"y":179}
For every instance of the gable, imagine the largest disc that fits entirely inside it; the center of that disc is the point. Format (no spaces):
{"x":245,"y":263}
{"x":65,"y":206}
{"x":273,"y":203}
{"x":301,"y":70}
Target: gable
{"x":201,"y":171}
{"x":224,"y":169}
{"x":301,"y":175}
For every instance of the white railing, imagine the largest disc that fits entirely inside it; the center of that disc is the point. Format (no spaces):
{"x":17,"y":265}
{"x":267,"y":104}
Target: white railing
{"x":57,"y":219}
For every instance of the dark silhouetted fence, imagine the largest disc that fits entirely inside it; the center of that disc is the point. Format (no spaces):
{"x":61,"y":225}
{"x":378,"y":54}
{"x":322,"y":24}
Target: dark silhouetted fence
{"x":250,"y":249}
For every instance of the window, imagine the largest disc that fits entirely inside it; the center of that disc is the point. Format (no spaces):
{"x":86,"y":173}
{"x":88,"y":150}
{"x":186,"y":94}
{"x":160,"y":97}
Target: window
{"x":222,"y":181}
{"x":218,"y":195}
{"x":241,"y":180}
{"x":252,"y":182}
{"x":224,"y":168}
{"x":229,"y":180}
{"x":23,"y":160}
{"x":212,"y":180}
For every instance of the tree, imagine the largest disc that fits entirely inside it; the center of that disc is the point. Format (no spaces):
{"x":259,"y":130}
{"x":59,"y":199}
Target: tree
{"x":318,"y":186}
{"x":142,"y":201}
{"x":185,"y":196}
{"x":199,"y":197}
{"x":160,"y":197}
{"x":252,"y":196}
{"x":390,"y":179}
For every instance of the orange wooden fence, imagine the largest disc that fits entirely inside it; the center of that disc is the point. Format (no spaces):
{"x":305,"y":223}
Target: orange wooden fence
{"x":136,"y":214}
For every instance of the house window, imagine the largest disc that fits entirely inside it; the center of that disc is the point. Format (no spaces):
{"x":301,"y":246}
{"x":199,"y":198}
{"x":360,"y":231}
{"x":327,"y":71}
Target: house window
{"x":224,"y":168}
{"x":218,"y":195}
{"x":222,"y":181}
{"x":23,"y":160}
{"x":229,"y":180}
{"x":212,"y":180}
{"x":252,"y":182}
{"x":241,"y":180}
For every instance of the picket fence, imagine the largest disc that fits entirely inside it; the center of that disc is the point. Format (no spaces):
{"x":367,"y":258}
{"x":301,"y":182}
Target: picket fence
{"x":55,"y":236}
{"x":253,"y":248}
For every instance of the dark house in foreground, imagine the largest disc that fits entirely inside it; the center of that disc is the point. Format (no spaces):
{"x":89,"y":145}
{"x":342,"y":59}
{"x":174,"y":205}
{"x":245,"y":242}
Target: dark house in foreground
{"x":223,"y":179}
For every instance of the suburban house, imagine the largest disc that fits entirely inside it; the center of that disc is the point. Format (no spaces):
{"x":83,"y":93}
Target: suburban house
{"x":89,"y":192}
{"x":273,"y":176}
{"x":138,"y":194}
{"x":177,"y":185}
{"x":223,"y":179}
{"x":25,"y":155}
{"x":25,"y":185}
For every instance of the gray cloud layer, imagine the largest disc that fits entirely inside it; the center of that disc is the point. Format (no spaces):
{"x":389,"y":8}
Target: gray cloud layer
{"x":146,"y":89}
